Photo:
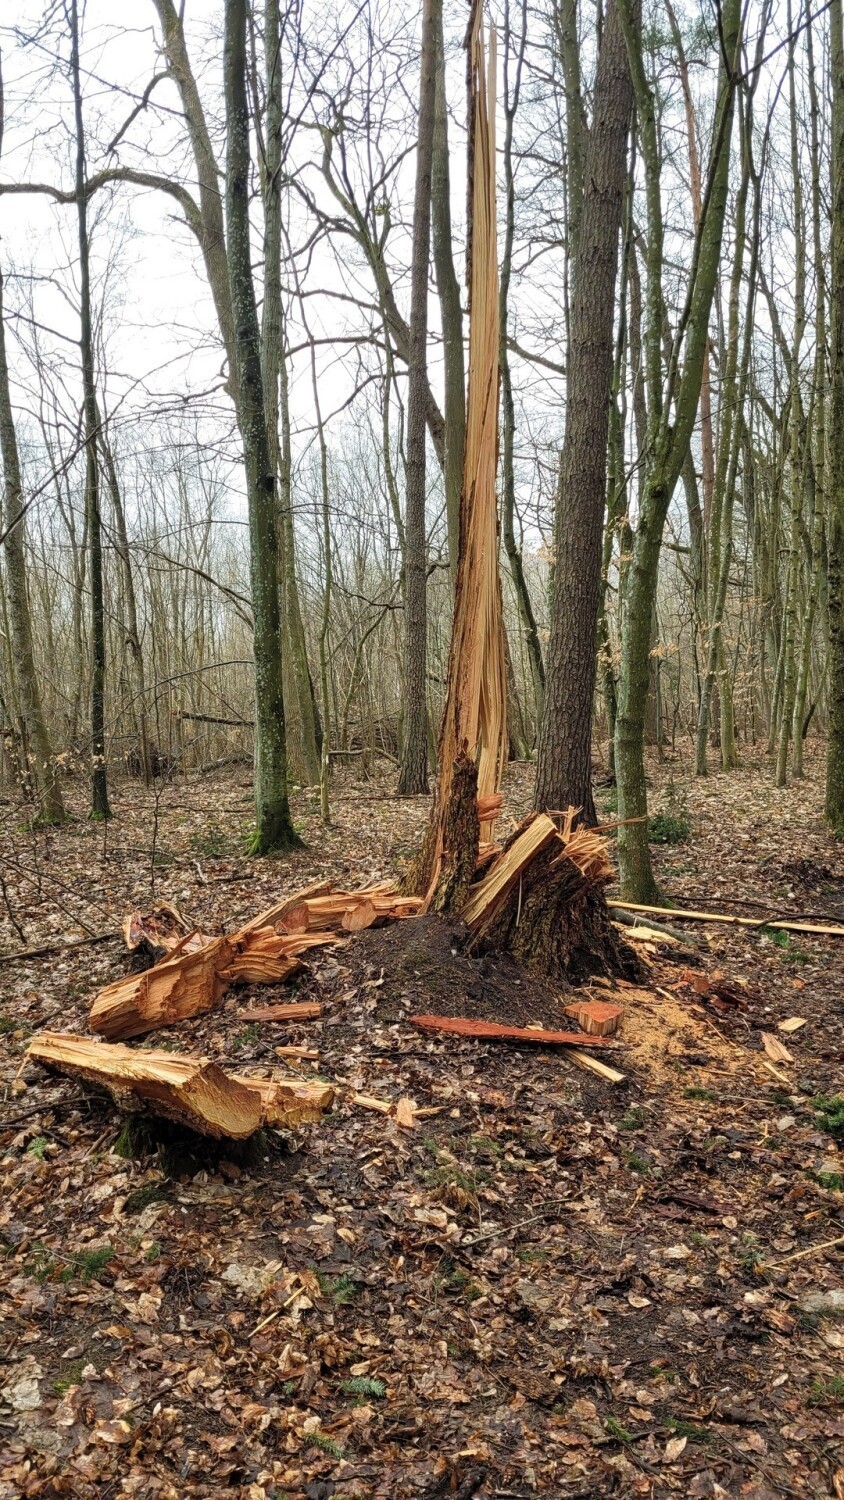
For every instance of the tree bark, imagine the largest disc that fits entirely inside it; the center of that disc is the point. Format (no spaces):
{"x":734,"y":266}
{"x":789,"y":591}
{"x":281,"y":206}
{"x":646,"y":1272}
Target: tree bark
{"x":563,"y":774}
{"x":413,"y":773}
{"x":274,"y":829}
{"x":834,"y":802}
{"x":448,"y":291}
{"x":43,"y":771}
{"x":99,"y":786}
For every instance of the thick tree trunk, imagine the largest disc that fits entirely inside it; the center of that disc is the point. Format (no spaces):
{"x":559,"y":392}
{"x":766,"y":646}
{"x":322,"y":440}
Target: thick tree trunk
{"x":563,"y":775}
{"x":99,"y":787}
{"x":413,"y":774}
{"x":274,"y":828}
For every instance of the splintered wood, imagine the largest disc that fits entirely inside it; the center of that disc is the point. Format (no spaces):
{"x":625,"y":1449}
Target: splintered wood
{"x":491,"y":1031}
{"x":192,"y":1091}
{"x":195,"y":973}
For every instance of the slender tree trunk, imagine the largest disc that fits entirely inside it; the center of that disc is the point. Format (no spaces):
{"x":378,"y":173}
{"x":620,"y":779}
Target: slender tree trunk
{"x":448,"y":290}
{"x":834,"y":804}
{"x":413,"y":773}
{"x":133,"y":634}
{"x":12,"y":521}
{"x":99,"y":787}
{"x":274,"y":828}
{"x":564,"y":770}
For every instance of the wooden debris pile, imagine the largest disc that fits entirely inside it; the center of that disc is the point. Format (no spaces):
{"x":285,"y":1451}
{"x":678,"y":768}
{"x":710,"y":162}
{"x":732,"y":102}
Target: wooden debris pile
{"x":189,"y":974}
{"x":196,"y":969}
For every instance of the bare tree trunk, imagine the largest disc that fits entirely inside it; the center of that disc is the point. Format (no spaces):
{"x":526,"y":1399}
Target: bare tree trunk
{"x":99,"y":787}
{"x":834,"y":804}
{"x":563,"y":773}
{"x":274,"y":828}
{"x":451,"y":313}
{"x":413,"y":774}
{"x":43,"y":770}
{"x":133,"y":635}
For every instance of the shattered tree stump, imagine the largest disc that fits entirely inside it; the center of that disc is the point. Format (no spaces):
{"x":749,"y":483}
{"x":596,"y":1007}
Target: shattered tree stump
{"x":543,"y":901}
{"x":191,"y":1091}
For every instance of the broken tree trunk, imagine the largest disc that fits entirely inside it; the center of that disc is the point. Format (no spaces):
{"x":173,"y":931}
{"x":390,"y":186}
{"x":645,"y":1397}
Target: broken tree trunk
{"x":542,"y":899}
{"x":191,"y":1091}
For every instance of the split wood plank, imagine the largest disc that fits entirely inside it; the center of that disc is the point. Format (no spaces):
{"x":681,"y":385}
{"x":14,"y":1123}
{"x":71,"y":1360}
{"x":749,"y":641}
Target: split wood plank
{"x":406,"y":1113}
{"x":486,"y":895}
{"x":296,"y":1010}
{"x":595,"y":1065}
{"x":192,"y":1091}
{"x":491,"y":1031}
{"x":778,"y":924}
{"x":311,"y":1053}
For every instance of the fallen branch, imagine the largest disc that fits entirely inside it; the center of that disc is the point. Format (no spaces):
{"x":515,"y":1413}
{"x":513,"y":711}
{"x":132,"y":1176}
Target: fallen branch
{"x":724,"y":917}
{"x":48,"y":948}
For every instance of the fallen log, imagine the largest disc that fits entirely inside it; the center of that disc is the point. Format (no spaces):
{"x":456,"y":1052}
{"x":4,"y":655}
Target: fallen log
{"x":491,"y":1031}
{"x":192,"y":1091}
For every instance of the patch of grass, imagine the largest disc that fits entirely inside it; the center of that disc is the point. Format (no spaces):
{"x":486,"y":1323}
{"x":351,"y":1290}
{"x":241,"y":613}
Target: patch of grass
{"x":830,"y":1109}
{"x":453,"y":1278}
{"x":748,"y":1253}
{"x":86,"y":1265}
{"x":364,"y":1385}
{"x":38,"y":1147}
{"x":681,"y":1428}
{"x":327,"y":1444}
{"x":614,"y":1429}
{"x":71,"y":1376}
{"x":790,"y":950}
{"x":700,"y":1093}
{"x":634,"y":1119}
{"x":700,"y":1241}
{"x":532,"y":1255}
{"x":449,"y":1174}
{"x":153,"y":1252}
{"x":483,"y":1146}
{"x":7,"y":1024}
{"x":827,"y":1392}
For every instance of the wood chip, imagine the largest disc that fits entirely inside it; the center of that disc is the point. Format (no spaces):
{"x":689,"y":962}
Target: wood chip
{"x":793,"y":1023}
{"x":775,"y":1049}
{"x":406,"y":1113}
{"x":367,"y":1101}
{"x":294,"y":1051}
{"x":596,"y":1017}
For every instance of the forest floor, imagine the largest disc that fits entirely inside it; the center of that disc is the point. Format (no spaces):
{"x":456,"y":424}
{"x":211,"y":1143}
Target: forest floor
{"x":551,"y":1287}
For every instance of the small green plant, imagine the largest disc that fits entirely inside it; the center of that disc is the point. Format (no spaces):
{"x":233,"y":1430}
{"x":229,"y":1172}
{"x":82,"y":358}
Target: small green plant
{"x":638,"y":1163}
{"x":830,"y":1110}
{"x":453,"y":1278}
{"x":247,"y":1036}
{"x":832,"y":1181}
{"x":748,"y":1253}
{"x":153,"y":1252}
{"x":700,"y":1093}
{"x":289,"y":1388}
{"x":827,"y":1392}
{"x":364,"y":1385}
{"x":86,"y":1265}
{"x":7,"y":1024}
{"x":38,"y":1147}
{"x":483,"y":1146}
{"x":327,"y":1444}
{"x":71,"y":1376}
{"x":141,"y":1197}
{"x":634,"y":1118}
{"x":665,"y":828}
{"x":681,"y":1428}
{"x":210,"y":841}
{"x":614,"y":1429}
{"x":341,"y":1289}
{"x":529,"y":1255}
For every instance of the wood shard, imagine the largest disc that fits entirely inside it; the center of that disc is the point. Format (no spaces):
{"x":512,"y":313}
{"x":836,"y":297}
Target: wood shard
{"x":367,"y":1101}
{"x":492,"y":1031}
{"x":263,"y":956}
{"x":182,"y":985}
{"x":358,"y":917}
{"x":489,"y":893}
{"x":793,"y":1023}
{"x":595,"y":1065}
{"x":192,"y":1091}
{"x":406,"y":1113}
{"x":775,"y":1049}
{"x":293,"y":1051}
{"x":596,"y":1017}
{"x":296,"y":1010}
